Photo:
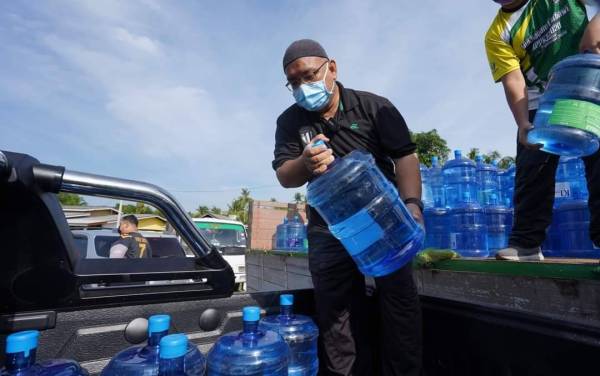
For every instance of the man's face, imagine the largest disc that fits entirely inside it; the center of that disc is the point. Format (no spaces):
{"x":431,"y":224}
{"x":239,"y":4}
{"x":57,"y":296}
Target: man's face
{"x":126,"y":227}
{"x":310,"y":69}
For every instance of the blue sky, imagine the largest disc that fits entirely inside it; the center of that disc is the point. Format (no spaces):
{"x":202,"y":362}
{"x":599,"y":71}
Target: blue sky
{"x":185,"y":94}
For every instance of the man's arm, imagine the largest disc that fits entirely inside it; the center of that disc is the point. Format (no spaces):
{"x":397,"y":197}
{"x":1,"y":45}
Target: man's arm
{"x":117,"y":251}
{"x":515,"y":89}
{"x":408,"y":181}
{"x":591,"y":37}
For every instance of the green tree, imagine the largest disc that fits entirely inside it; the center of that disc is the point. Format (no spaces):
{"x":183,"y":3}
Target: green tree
{"x":71,"y":199}
{"x":201,"y":210}
{"x":505,"y":162}
{"x":430,"y":144}
{"x":240,"y":206}
{"x":473,"y":153}
{"x":299,"y":198}
{"x":273,"y":199}
{"x":138,"y":208}
{"x":215,"y":210}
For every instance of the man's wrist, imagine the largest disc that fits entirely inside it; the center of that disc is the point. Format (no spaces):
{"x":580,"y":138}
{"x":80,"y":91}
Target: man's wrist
{"x":415,"y":201}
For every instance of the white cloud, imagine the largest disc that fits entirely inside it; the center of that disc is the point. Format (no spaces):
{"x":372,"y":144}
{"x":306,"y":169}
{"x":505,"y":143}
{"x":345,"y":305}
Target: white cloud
{"x":139,"y":42}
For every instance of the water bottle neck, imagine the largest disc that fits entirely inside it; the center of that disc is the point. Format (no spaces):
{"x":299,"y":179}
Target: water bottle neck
{"x":172,"y":367}
{"x":19,"y":361}
{"x":155,"y":337}
{"x":287,"y":310}
{"x":250,"y":327}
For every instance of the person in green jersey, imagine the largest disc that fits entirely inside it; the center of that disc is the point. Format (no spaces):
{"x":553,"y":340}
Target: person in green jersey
{"x":524,"y":41}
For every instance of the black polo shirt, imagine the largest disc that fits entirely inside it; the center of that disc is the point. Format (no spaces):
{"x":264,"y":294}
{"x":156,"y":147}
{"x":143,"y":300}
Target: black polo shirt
{"x":364,"y":121}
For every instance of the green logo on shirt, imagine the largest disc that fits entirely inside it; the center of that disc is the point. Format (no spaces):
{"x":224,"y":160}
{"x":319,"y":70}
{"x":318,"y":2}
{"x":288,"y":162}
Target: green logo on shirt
{"x":354,"y":126}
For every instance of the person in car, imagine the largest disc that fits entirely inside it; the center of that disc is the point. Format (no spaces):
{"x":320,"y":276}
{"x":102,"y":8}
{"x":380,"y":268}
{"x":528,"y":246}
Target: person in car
{"x":131,"y":243}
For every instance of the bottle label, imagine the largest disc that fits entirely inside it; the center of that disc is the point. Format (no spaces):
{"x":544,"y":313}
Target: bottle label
{"x":562,"y":190}
{"x":576,"y":114}
{"x":356,"y":242}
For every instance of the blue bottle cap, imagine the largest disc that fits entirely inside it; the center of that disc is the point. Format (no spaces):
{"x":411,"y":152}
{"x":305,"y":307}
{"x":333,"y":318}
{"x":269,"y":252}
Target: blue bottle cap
{"x":22,"y":342}
{"x":318,"y":143}
{"x":251,"y":313}
{"x":158,"y":323}
{"x":434,"y":160}
{"x":286,"y":300}
{"x":457,"y":154}
{"x":173,"y":346}
{"x":479,"y":158}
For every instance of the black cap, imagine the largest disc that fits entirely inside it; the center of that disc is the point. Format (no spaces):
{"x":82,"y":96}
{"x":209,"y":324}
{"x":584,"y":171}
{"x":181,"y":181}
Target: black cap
{"x":303,"y":48}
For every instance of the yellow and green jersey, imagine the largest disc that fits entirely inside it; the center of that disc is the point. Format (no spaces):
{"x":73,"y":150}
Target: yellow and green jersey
{"x":533,"y":39}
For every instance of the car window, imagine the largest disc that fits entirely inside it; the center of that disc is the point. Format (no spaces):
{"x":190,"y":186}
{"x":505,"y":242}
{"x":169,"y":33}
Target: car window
{"x":166,"y":247}
{"x":81,"y":243}
{"x":103,"y":244}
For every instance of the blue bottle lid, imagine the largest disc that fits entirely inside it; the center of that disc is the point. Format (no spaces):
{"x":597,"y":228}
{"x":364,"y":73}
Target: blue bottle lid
{"x":22,"y":342}
{"x":434,"y":161}
{"x":479,"y":158}
{"x":173,"y":346}
{"x":457,"y":154}
{"x":251,"y":313}
{"x":158,"y":323}
{"x":318,"y":143}
{"x":286,"y":300}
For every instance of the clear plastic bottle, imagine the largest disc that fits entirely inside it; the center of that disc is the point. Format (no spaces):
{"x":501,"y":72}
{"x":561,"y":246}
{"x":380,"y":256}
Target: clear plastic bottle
{"x":144,"y":360}
{"x":567,"y":121}
{"x":460,"y":177}
{"x":21,"y":348}
{"x":364,"y":211}
{"x":497,"y":217}
{"x":506,"y":179}
{"x":300,"y":333}
{"x":437,"y":233}
{"x":436,"y":182}
{"x":281,"y":235}
{"x":468,"y":231}
{"x":250,"y":352}
{"x":426,"y":194}
{"x":295,"y":234}
{"x":570,"y":181}
{"x":487,"y":179}
{"x":573,"y":218}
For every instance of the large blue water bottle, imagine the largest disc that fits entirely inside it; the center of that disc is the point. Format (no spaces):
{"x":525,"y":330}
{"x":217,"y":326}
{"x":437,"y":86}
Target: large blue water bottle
{"x":437,"y":233}
{"x":252,"y":351}
{"x":426,"y":194}
{"x":365,"y":212}
{"x":506,"y":180}
{"x":172,"y":355}
{"x":573,"y":219}
{"x":570,"y":181}
{"x":568,"y":119}
{"x":552,"y":246}
{"x":295,"y":234}
{"x":468,"y":231}
{"x":144,"y":360}
{"x":497,"y":219}
{"x":21,"y":348}
{"x":460,"y":177}
{"x":300,"y":333}
{"x":487,"y":179}
{"x":436,"y":183}
{"x":281,"y":234}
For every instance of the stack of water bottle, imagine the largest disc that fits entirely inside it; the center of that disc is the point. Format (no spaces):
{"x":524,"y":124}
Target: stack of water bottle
{"x":284,"y":344}
{"x":469,"y":208}
{"x":291,"y":235}
{"x":468,"y":205}
{"x":568,"y":235}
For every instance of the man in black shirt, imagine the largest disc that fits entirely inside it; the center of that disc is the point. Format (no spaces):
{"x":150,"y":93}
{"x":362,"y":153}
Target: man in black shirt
{"x":131,"y":243}
{"x":349,"y":120}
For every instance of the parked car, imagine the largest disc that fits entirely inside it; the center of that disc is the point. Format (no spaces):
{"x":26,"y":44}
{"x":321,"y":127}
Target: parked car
{"x":96,"y":243}
{"x":231,"y":240}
